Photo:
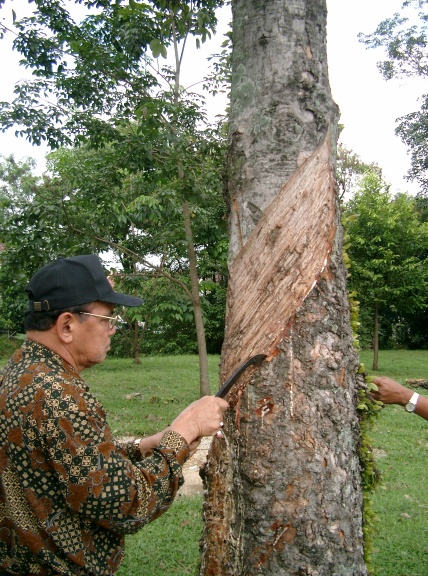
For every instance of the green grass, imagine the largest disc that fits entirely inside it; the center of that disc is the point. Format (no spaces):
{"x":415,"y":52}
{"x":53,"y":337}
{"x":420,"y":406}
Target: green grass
{"x":169,"y":546}
{"x":165,"y":386}
{"x":401,"y":446}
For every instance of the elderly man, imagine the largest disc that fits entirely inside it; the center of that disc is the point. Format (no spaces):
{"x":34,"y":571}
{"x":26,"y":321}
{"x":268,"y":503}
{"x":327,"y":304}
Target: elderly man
{"x":68,"y":491}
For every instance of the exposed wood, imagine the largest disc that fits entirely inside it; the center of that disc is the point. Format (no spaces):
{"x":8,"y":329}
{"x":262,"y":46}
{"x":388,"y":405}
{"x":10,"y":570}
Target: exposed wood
{"x":274,"y":271}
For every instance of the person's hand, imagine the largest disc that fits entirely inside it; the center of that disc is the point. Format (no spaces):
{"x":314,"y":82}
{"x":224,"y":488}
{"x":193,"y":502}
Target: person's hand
{"x":203,"y":417}
{"x":390,"y":392}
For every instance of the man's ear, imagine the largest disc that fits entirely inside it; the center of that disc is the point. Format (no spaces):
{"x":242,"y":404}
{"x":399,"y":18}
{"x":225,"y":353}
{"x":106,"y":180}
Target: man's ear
{"x":65,"y":326}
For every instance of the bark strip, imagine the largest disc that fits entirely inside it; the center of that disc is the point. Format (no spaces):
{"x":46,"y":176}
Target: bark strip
{"x":274,"y":271}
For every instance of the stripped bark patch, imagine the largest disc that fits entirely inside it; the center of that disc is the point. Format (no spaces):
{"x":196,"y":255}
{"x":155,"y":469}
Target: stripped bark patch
{"x":281,"y":261}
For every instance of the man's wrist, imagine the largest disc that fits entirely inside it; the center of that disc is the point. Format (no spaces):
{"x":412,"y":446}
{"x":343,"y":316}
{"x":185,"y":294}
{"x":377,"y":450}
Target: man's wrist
{"x":405,"y":395}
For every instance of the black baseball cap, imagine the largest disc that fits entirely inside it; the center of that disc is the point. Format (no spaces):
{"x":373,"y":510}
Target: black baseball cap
{"x":67,"y":282}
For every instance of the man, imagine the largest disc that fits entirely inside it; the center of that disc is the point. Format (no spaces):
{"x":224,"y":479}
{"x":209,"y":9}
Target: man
{"x":68,"y":491}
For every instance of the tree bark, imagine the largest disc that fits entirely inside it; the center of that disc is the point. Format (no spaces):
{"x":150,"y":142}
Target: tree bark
{"x":283,"y":486}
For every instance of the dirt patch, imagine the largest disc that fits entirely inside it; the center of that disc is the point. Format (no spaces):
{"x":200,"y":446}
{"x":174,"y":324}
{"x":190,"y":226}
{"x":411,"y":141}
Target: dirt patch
{"x":192,"y":481}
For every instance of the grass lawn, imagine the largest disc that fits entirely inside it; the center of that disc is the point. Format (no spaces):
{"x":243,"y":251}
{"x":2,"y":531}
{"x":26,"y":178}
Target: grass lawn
{"x":141,"y":399}
{"x":144,"y":398}
{"x":401,"y":503}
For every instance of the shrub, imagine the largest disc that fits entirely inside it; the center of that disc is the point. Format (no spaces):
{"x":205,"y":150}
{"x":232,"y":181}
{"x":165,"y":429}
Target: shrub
{"x":8,"y":345}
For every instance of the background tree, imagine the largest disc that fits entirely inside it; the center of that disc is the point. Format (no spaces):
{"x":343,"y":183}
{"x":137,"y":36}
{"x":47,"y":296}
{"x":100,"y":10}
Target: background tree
{"x":388,"y":252}
{"x":17,"y":187}
{"x":94,"y":82}
{"x":349,"y":169}
{"x":404,"y":39}
{"x":284,"y":489}
{"x":148,"y":227}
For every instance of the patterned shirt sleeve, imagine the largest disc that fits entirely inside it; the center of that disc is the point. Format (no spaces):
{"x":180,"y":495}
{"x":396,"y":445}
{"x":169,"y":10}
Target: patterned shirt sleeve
{"x":97,"y":479}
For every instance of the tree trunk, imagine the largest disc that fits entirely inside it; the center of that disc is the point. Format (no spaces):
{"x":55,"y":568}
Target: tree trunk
{"x":197,"y":308}
{"x":376,"y":338}
{"x":136,"y":343}
{"x":283,"y":486}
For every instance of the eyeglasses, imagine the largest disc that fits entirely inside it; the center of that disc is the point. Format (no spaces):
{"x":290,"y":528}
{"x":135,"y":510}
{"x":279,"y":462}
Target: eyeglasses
{"x":112,"y":320}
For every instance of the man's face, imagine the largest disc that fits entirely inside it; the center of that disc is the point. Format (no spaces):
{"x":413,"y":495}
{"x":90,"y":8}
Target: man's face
{"x":91,"y":338}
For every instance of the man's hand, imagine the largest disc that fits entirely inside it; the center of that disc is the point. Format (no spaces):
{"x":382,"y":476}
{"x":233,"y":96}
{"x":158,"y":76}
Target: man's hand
{"x":202,"y":418}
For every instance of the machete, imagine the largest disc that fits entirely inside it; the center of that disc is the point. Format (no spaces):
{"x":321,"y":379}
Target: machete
{"x":253,"y":361}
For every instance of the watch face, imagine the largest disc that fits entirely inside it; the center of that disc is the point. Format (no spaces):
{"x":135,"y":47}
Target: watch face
{"x":410,"y":407}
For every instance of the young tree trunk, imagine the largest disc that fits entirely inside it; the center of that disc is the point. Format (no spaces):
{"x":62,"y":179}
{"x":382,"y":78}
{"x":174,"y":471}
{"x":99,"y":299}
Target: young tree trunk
{"x":376,"y":338}
{"x":197,"y":308}
{"x":204,"y":383}
{"x":283,"y":486}
{"x":136,"y":343}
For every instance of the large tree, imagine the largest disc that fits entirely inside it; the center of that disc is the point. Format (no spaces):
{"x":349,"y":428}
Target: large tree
{"x":284,"y":491}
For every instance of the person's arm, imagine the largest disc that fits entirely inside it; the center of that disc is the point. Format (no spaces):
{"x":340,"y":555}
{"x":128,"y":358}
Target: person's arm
{"x":147,"y":443}
{"x":391,"y":392}
{"x":96,"y":479}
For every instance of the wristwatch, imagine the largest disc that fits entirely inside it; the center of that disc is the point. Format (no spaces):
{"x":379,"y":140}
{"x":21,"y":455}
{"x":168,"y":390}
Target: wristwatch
{"x":411,"y":404}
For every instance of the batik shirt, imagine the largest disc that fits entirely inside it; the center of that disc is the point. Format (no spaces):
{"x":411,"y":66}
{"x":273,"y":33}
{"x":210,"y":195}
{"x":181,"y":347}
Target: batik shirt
{"x":68,"y":491}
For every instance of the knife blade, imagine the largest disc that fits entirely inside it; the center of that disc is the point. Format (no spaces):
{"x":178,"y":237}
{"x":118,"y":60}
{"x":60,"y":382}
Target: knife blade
{"x":253,"y":361}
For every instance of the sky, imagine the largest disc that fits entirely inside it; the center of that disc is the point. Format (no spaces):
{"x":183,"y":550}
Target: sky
{"x":368,"y":104}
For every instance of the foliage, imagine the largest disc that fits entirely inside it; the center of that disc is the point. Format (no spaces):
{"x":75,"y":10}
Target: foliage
{"x":349,"y":170}
{"x":148,"y":157}
{"x":367,"y":410}
{"x":167,"y":325}
{"x":388,"y":251}
{"x":94,"y":65}
{"x":147,"y":225}
{"x":404,"y":40}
